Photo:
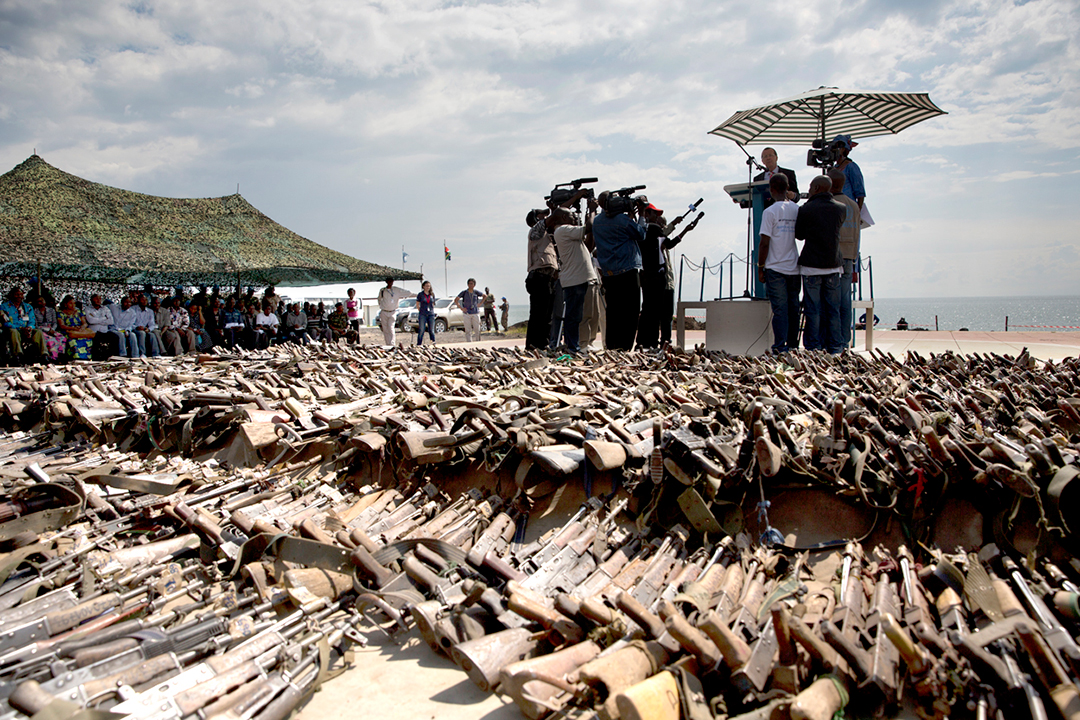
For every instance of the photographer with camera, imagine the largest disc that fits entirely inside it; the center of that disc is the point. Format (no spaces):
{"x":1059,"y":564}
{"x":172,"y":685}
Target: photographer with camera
{"x":543,"y":270}
{"x":854,"y":188}
{"x":577,"y":272}
{"x":618,"y":237}
{"x":657,"y":275}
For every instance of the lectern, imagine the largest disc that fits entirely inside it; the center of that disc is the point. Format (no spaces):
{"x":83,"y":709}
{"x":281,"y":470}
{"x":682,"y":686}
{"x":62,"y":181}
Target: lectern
{"x":752,"y":196}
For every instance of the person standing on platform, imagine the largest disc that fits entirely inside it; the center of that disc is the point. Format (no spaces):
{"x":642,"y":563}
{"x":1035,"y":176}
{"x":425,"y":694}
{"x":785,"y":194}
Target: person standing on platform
{"x":543,"y":269}
{"x":388,"y":302}
{"x":617,"y":237}
{"x":850,"y":232}
{"x":778,"y":265}
{"x":577,"y":270}
{"x":469,"y":301}
{"x":818,"y":223}
{"x":768,"y":156}
{"x":854,"y":187}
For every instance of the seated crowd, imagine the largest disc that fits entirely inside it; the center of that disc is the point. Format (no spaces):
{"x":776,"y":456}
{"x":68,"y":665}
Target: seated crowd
{"x":37,"y":328}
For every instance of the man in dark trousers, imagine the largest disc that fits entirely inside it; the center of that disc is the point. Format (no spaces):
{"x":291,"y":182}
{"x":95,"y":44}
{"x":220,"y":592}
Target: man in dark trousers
{"x":543,"y":268}
{"x":818,"y":223}
{"x":768,"y":156}
{"x":617,"y":237}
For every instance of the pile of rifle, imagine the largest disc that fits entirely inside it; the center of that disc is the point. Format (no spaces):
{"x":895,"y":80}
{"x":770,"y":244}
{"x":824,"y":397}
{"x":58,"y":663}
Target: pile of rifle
{"x":209,"y":536}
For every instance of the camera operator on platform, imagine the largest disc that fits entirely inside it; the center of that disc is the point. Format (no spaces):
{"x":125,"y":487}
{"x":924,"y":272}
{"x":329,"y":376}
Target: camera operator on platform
{"x":768,"y":156}
{"x":853,"y":179}
{"x":617,"y":237}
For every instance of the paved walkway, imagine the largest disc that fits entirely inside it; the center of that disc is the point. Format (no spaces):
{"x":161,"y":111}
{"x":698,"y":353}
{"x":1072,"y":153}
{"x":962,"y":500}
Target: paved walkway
{"x":1043,"y":345}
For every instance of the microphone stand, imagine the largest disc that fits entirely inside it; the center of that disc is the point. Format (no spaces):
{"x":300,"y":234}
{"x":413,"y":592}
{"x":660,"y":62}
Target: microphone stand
{"x":751,"y":164}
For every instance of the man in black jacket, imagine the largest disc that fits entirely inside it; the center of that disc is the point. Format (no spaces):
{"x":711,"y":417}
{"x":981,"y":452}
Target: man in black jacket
{"x":818,"y":223}
{"x":768,"y":156}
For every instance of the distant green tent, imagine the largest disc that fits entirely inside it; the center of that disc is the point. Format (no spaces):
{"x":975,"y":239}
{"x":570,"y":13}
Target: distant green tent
{"x":67,"y":228}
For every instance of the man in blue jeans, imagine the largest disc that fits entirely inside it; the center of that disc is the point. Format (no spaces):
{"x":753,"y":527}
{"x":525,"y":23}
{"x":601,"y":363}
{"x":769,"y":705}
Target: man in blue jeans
{"x":849,"y":250}
{"x":818,"y":223}
{"x":778,"y":265}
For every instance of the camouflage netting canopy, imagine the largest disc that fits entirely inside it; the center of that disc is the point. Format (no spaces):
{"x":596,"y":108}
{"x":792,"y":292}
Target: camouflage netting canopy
{"x":67,"y":228}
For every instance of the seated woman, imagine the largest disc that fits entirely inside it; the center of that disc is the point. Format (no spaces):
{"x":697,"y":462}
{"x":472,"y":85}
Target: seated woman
{"x":198,"y":324}
{"x":46,"y":322}
{"x":71,"y":321}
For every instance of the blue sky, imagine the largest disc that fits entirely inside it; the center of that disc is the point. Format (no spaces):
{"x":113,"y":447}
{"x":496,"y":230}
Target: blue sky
{"x":368,"y":126}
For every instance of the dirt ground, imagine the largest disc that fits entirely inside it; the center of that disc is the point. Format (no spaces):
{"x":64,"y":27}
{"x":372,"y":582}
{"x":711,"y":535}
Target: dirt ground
{"x":374,"y":336}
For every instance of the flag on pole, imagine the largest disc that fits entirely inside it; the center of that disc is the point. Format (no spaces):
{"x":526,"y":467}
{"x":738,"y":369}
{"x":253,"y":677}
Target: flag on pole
{"x":404,"y":257}
{"x":446,"y":250}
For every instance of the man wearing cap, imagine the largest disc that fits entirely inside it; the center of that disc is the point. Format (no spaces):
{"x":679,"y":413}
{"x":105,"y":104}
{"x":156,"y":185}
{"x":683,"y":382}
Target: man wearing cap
{"x":543,"y":269}
{"x":577,"y":270}
{"x":853,"y":179}
{"x":388,"y":302}
{"x":768,"y":156}
{"x":617,"y":237}
{"x":818,"y":223}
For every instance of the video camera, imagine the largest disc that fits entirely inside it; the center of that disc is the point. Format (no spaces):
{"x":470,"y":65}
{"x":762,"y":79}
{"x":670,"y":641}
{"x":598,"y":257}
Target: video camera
{"x":622,"y":202}
{"x":563,"y":192}
{"x":823,"y":154}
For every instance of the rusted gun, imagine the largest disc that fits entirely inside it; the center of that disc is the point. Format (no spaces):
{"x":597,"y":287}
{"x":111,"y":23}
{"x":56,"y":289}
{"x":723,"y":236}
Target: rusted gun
{"x":859,"y":638}
{"x":201,"y":684}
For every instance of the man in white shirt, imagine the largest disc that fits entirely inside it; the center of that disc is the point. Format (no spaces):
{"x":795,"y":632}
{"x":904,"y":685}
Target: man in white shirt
{"x":107,"y":342}
{"x":125,"y":325}
{"x":388,"y":302}
{"x":145,"y":325}
{"x":266,"y":326}
{"x":577,"y":271}
{"x":778,"y":265}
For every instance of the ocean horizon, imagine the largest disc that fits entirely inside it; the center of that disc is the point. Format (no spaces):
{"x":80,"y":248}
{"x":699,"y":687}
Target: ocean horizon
{"x":1051,"y":313}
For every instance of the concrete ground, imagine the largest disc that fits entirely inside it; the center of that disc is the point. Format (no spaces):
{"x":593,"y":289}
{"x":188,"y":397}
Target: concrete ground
{"x":1042,"y":345}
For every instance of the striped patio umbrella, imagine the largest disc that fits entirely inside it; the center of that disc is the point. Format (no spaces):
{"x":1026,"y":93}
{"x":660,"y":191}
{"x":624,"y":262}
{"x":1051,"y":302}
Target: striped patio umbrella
{"x":825,"y":113}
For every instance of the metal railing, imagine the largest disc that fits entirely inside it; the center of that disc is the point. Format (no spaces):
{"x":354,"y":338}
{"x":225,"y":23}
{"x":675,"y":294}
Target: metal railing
{"x":731,"y":261}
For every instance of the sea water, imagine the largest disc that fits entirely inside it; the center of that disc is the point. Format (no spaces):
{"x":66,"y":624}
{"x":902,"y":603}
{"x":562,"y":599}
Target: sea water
{"x":973,"y":313}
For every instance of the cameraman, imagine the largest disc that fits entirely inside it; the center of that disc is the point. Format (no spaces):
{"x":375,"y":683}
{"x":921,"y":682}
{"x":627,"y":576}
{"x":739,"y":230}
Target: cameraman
{"x":617,"y":237}
{"x":853,"y":179}
{"x":577,"y":271}
{"x":543,"y":270}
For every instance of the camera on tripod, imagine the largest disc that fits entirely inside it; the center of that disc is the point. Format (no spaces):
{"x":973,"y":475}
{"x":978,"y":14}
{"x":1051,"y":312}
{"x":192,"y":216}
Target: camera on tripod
{"x":823,"y":154}
{"x":621,"y":201}
{"x":564,"y":192}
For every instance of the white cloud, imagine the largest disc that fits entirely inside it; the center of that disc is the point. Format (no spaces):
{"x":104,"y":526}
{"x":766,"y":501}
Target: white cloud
{"x":418,"y":120}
